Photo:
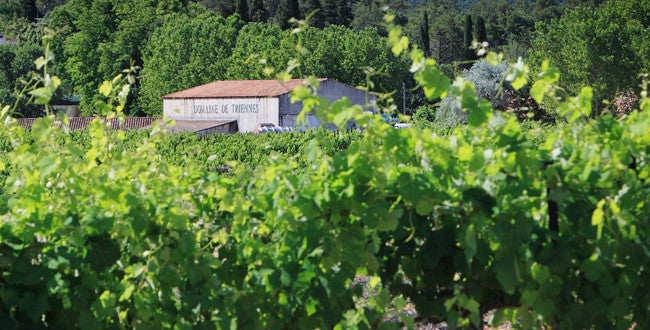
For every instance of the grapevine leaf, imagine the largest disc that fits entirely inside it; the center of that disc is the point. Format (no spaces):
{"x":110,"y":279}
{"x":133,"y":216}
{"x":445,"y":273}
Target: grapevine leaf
{"x":507,"y":273}
{"x":105,"y":88}
{"x":597,"y":217}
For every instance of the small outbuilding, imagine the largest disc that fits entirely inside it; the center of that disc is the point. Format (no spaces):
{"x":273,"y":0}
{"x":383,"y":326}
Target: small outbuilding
{"x":252,"y":102}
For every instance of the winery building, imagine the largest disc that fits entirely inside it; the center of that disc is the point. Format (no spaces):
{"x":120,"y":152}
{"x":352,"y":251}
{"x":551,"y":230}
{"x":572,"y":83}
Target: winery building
{"x":250,"y":103}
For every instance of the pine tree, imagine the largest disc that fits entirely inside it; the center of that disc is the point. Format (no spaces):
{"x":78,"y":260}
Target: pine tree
{"x":313,"y":8}
{"x":258,"y":11}
{"x":481,"y":34}
{"x":242,"y":10}
{"x":467,"y":39}
{"x":424,"y":34}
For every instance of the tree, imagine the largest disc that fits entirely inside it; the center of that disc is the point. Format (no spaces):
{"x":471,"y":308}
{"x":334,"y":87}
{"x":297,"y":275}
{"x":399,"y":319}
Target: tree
{"x":28,"y":9}
{"x":330,"y":11}
{"x":486,"y":79}
{"x":344,"y":14}
{"x":294,"y":8}
{"x":495,"y":14}
{"x":314,"y":10}
{"x":447,"y":39}
{"x":604,"y":48}
{"x":468,"y":39}
{"x":16,"y":67}
{"x":103,"y":37}
{"x":186,"y":52}
{"x":242,"y":10}
{"x":424,"y":34}
{"x":546,"y":10}
{"x":224,"y":7}
{"x":371,"y":13}
{"x":336,"y":52}
{"x":258,"y":11}
{"x":288,"y":9}
{"x":481,"y":34}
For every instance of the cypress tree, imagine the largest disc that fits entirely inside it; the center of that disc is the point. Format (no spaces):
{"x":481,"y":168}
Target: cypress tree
{"x":467,"y":39}
{"x":344,"y":11}
{"x":543,"y":4}
{"x":225,"y":8}
{"x":481,"y":34}
{"x":258,"y":11}
{"x":242,"y":10}
{"x":313,"y":8}
{"x":330,"y":11}
{"x":288,"y":9}
{"x":424,"y":34}
{"x":28,"y":9}
{"x":294,"y":8}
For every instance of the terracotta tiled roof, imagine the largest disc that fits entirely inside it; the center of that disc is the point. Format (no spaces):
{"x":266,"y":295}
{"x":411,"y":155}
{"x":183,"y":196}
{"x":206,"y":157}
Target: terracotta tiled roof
{"x":239,"y":88}
{"x":194,"y":125}
{"x":83,"y":122}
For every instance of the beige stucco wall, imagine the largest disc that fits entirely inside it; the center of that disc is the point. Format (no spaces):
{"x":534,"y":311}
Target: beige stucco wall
{"x":248,"y":112}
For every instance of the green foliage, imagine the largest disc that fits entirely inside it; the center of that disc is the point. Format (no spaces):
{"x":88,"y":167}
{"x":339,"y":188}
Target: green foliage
{"x":182,"y":54}
{"x":100,"y":38}
{"x":242,"y":10}
{"x":425,"y":116}
{"x":224,"y":8}
{"x":287,"y":10}
{"x":185,"y":52}
{"x":26,"y":9}
{"x":485,"y":218}
{"x":604,"y":48}
{"x":481,"y":33}
{"x":258,"y":11}
{"x":256,"y":49}
{"x":314,"y":11}
{"x":16,"y":65}
{"x":338,"y":12}
{"x":468,"y":37}
{"x":371,"y":14}
{"x":22,"y":29}
{"x":424,"y":34}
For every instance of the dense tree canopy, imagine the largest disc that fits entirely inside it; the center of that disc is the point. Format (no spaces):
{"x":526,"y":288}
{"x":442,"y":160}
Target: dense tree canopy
{"x":187,"y":51}
{"x":16,"y":63}
{"x":605,"y":48}
{"x":101,"y":38}
{"x":95,"y":40}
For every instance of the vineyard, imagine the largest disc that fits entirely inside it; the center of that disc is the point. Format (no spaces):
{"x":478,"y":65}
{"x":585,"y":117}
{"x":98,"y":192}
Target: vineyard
{"x":137,"y":230}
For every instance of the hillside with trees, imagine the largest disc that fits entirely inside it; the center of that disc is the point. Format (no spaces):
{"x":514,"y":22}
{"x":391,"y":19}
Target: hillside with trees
{"x":95,"y":40}
{"x":516,"y":195}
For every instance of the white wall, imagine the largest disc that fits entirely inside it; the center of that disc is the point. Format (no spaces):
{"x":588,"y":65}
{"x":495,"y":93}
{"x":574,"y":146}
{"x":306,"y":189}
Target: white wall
{"x":247,"y":111}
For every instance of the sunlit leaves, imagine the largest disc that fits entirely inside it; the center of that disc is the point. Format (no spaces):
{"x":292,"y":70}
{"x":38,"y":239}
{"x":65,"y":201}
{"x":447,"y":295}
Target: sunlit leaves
{"x":398,"y":42}
{"x":434,"y":83}
{"x":450,"y":224}
{"x":518,"y":74}
{"x":544,"y":85}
